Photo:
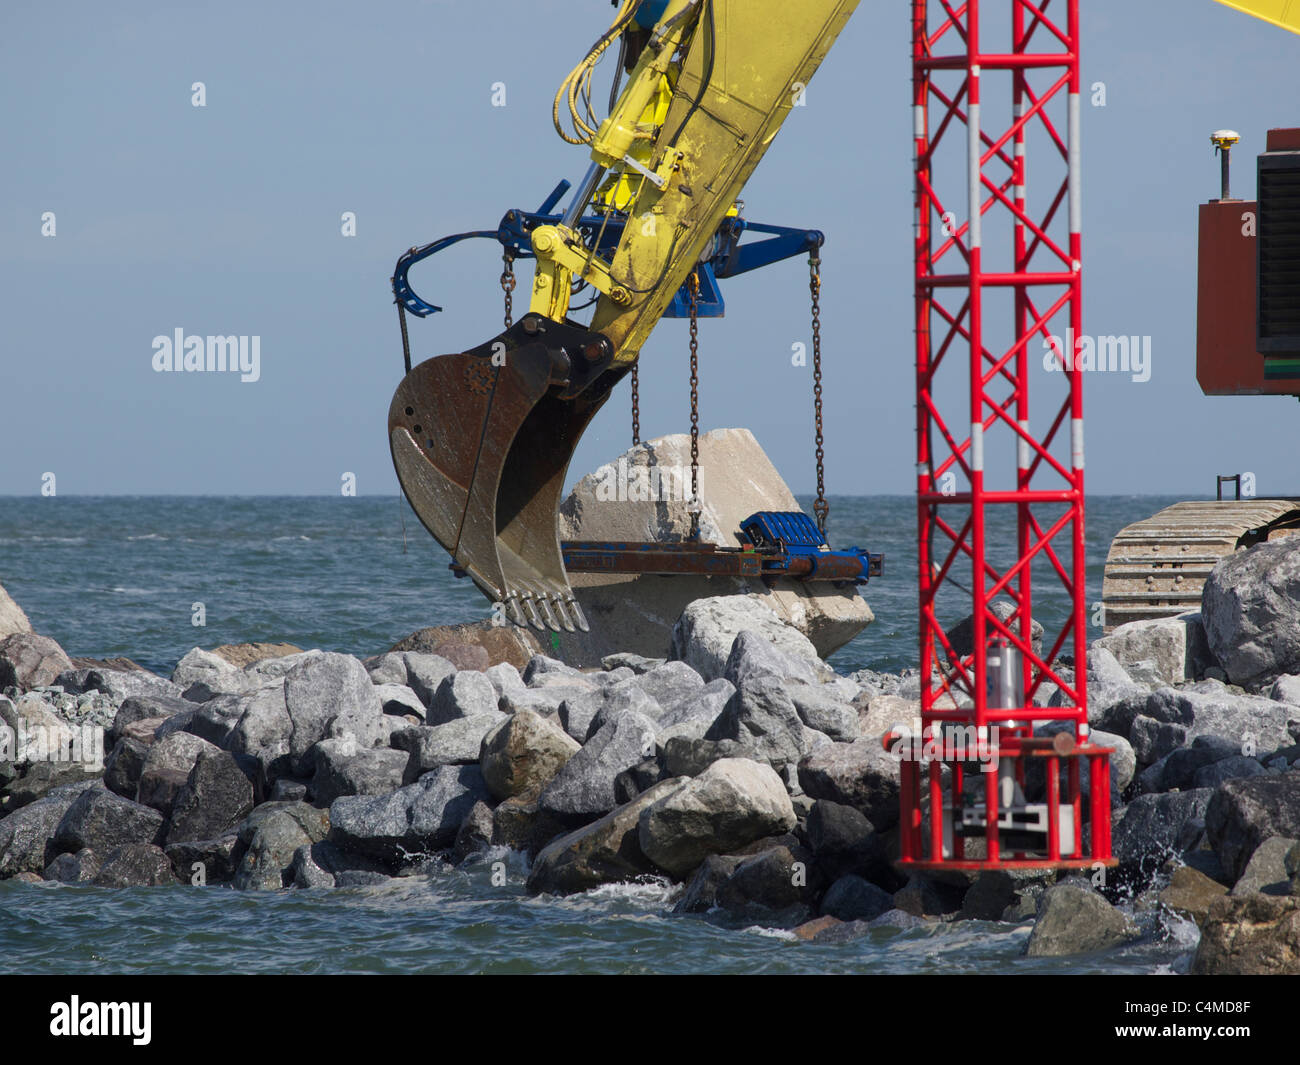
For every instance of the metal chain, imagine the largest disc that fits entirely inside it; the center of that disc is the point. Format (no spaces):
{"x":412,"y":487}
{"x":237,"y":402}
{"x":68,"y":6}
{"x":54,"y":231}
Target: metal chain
{"x":694,"y":284}
{"x":820,"y":507}
{"x":508,"y":284}
{"x":406,"y":342}
{"x":636,"y":406}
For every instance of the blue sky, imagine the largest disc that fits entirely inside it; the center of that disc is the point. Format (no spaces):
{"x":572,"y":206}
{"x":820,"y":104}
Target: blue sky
{"x":226,"y":220}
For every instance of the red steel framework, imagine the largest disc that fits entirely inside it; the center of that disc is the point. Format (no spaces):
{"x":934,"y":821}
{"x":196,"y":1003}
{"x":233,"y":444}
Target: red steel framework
{"x":1041,"y":270}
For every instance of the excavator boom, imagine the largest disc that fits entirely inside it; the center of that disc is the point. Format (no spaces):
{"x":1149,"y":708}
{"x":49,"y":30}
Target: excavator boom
{"x":482,"y":440}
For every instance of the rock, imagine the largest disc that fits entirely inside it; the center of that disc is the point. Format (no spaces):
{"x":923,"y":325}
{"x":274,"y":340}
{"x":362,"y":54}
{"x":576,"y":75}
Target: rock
{"x":761,"y":717}
{"x":583,"y":789}
{"x":632,"y":782}
{"x":684,"y":757}
{"x":273,"y":833}
{"x":1178,"y":768}
{"x":412,"y":820}
{"x":522,"y":825}
{"x":1266,"y":871}
{"x":40,"y":779}
{"x":621,"y":699}
{"x":605,"y":851}
{"x":424,"y":673}
{"x":343,"y":768}
{"x":577,"y":712}
{"x":861,"y":774}
{"x":637,"y":614}
{"x":205,"y":861}
{"x":825,"y":712}
{"x":636,"y":663}
{"x":1254,"y":935}
{"x":1251,"y":610}
{"x":1238,"y":767}
{"x":706,"y":635}
{"x":1244,"y":813}
{"x":1153,"y":828}
{"x":12,"y":618}
{"x":458,"y":742}
{"x":152,"y":706}
{"x":79,"y":868}
{"x":160,"y":788}
{"x":503,"y":643}
{"x":166,"y":767}
{"x":135,"y":865}
{"x":399,"y":700}
{"x":244,"y":655}
{"x":961,"y":635}
{"x":522,"y":754}
{"x":216,"y":797}
{"x":1072,"y":919}
{"x":118,"y":685}
{"x":214,"y":672}
{"x":28,"y":660}
{"x":772,"y":887}
{"x":26,"y":835}
{"x":701,"y":894}
{"x":730,"y":804}
{"x":1286,"y":689}
{"x":1162,"y":641}
{"x":464,"y":694}
{"x":845,"y":842}
{"x":851,"y":898}
{"x":670,"y":684}
{"x":1104,"y":667}
{"x":475,"y":833}
{"x":464,"y":655}
{"x":329,"y":696}
{"x":1190,"y":893}
{"x":1209,"y":708}
{"x":263,"y":730}
{"x":104,"y":821}
{"x":922,"y":896}
{"x":322,"y":864}
{"x":286,"y":790}
{"x":692,"y":718}
{"x":30,"y":731}
{"x":991,"y":894}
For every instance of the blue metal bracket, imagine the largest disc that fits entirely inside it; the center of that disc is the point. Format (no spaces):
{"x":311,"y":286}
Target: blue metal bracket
{"x":727,"y":257}
{"x":791,"y":544}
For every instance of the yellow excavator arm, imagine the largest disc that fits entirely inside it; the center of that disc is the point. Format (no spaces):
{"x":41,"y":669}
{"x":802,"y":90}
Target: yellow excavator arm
{"x":482,"y":440}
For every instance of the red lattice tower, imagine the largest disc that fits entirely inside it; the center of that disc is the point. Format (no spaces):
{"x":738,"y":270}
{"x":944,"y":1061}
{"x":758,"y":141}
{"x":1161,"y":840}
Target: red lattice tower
{"x":985,"y":315}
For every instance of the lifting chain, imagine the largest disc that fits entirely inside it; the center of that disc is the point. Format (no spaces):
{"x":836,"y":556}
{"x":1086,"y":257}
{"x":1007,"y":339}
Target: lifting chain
{"x":636,"y":405}
{"x":820,"y":507}
{"x":694,"y":505}
{"x":508,"y":284}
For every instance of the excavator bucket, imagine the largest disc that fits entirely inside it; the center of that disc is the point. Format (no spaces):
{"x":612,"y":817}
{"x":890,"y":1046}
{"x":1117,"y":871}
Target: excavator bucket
{"x":481,"y":442}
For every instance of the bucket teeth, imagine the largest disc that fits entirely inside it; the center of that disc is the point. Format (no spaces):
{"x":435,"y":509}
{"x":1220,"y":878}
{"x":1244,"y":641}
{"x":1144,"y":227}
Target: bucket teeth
{"x":557,"y":604}
{"x":530,"y":609}
{"x":514,"y":610}
{"x":544,"y":602}
{"x":577,"y":613}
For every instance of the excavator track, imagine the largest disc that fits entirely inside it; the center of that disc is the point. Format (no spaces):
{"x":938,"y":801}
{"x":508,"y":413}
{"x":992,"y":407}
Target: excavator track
{"x":1157,"y":567}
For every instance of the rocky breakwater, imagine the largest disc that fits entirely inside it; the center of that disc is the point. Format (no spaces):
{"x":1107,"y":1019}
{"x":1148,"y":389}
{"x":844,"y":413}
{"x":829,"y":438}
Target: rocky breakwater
{"x":738,"y":766}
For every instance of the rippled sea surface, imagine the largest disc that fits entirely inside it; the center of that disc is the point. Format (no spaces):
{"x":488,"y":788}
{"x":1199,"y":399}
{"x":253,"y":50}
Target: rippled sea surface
{"x":122,"y":576}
